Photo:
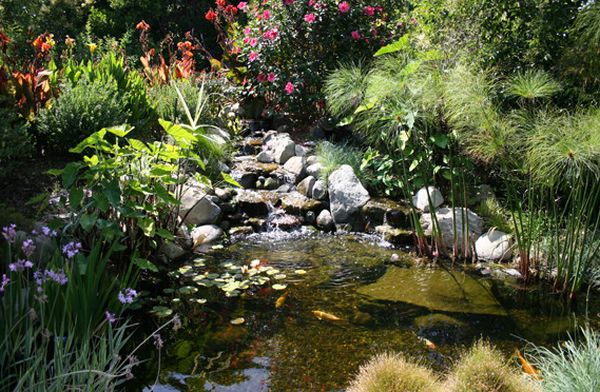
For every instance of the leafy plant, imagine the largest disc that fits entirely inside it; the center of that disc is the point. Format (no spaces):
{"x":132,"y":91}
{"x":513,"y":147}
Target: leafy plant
{"x":332,"y":156}
{"x":16,"y":141}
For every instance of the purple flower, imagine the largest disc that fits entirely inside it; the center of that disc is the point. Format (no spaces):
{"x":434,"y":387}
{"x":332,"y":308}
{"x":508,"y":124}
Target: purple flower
{"x":126,"y":296}
{"x":110,"y":317}
{"x":4,"y":283}
{"x":59,"y":277}
{"x":9,"y":232}
{"x":28,"y":247}
{"x":20,"y":265}
{"x":158,"y":342}
{"x":71,"y":249}
{"x":34,"y":232}
{"x":48,"y":232}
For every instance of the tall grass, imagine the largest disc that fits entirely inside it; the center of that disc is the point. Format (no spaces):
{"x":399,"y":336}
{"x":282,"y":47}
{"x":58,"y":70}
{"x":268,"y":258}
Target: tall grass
{"x":332,"y":156}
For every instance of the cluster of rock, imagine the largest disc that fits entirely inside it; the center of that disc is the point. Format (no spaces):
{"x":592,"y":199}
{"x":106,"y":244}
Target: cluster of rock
{"x":282,"y":188}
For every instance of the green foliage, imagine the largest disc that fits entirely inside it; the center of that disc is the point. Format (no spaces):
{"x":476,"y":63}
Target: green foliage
{"x":15,"y":139}
{"x":81,"y":109}
{"x":573,"y":365}
{"x":392,"y":373}
{"x":332,"y":156}
{"x":532,"y":85}
{"x":345,"y":89}
{"x":494,"y":214}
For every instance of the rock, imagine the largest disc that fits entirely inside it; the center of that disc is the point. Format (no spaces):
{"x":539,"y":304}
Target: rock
{"x":271,"y":183}
{"x":314,"y":169}
{"x":325,"y":221}
{"x":494,"y":246}
{"x":246,"y":179}
{"x":305,"y":186}
{"x":310,"y":218}
{"x":311,"y":160}
{"x":285,"y":222}
{"x":224,"y":194}
{"x":283,"y":149}
{"x":241,"y":230}
{"x":257,"y":224}
{"x":298,"y":204}
{"x":285,"y":188}
{"x":317,"y":133}
{"x":395,"y":236}
{"x":254,"y":204}
{"x":172,"y":251}
{"x":445,"y":219}
{"x":295,"y":167}
{"x":184,"y":237}
{"x":346,"y":194}
{"x":196,"y":208}
{"x":421,"y":201}
{"x":206,"y":234}
{"x":223,"y":167}
{"x":300,"y":151}
{"x":436,"y":289}
{"x":253,"y":166}
{"x":319,"y":190}
{"x":512,"y":272}
{"x":265,"y":157}
{"x":378,"y":211}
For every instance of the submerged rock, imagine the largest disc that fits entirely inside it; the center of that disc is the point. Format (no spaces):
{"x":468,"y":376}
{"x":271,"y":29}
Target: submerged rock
{"x":395,"y":236}
{"x":448,"y":226}
{"x":435,"y":289}
{"x":421,"y":201}
{"x":254,"y":203}
{"x":381,"y":210}
{"x":346,"y":194}
{"x":494,"y":245}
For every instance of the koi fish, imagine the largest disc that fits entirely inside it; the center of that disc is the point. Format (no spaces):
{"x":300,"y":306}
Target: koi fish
{"x":527,"y":367}
{"x":325,"y":316}
{"x":281,"y":300}
{"x":428,"y":343}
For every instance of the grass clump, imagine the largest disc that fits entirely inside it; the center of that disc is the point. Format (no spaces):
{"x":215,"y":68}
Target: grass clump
{"x":484,"y":369}
{"x":392,"y":373}
{"x":572,"y":366}
{"x":332,"y":156}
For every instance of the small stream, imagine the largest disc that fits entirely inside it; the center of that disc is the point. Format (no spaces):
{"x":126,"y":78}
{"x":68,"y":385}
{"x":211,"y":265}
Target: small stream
{"x":383,"y":306}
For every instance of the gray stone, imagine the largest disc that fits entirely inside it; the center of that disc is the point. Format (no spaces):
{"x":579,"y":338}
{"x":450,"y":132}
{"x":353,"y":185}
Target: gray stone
{"x":246,"y":179}
{"x":265,"y":157}
{"x":300,"y":151}
{"x":314,"y":169}
{"x":317,"y":133}
{"x":378,"y":211}
{"x":254,"y":203}
{"x":346,"y":194}
{"x":311,"y":160}
{"x":283,"y":149}
{"x":271,"y":183}
{"x":295,"y":167}
{"x":298,"y":204}
{"x":224,"y":194}
{"x":285,"y":188}
{"x":196,"y":208}
{"x":305,"y":186}
{"x":325,"y":221}
{"x":494,"y":246}
{"x":319,"y":190}
{"x":395,"y":236}
{"x":172,"y":251}
{"x":205,"y":234}
{"x":421,"y":201}
{"x":447,"y":225}
{"x":310,"y":218}
{"x":241,"y":230}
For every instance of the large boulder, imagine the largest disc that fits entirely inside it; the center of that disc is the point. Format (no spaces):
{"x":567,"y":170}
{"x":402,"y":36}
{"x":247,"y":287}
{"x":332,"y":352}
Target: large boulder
{"x":346,"y":194}
{"x":379,"y":211}
{"x":421,"y":200}
{"x":305,"y":186}
{"x":451,"y":221}
{"x":494,"y":246}
{"x":196,"y":208}
{"x":295,"y":168}
{"x":283,"y":148}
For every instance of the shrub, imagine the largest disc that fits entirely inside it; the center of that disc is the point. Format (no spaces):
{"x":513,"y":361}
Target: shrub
{"x":484,"y":369}
{"x":573,"y":365}
{"x":392,"y":373}
{"x":332,"y":156}
{"x":15,"y":140}
{"x":82,"y":108}
{"x":289,"y":47}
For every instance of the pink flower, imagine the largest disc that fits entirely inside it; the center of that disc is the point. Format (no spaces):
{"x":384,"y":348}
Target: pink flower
{"x":309,"y":18}
{"x":246,"y":40}
{"x":288,"y":2}
{"x":261,"y":78}
{"x":344,"y":7}
{"x":289,"y":88}
{"x":311,"y":2}
{"x":242,"y":5}
{"x":253,"y":56}
{"x":266,"y":14}
{"x":355,"y":34}
{"x":271,"y":77}
{"x":271,"y":34}
{"x":253,"y":42}
{"x":247,"y":31}
{"x":369,"y":10}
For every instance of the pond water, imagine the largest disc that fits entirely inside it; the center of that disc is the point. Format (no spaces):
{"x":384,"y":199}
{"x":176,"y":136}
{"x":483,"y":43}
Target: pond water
{"x":382,"y":307}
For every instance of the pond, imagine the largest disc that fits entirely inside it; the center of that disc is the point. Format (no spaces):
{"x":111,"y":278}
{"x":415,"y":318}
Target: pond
{"x":430,"y":313}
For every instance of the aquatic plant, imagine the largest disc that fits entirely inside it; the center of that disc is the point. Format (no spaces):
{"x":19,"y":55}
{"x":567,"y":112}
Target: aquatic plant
{"x":573,"y":365}
{"x":392,"y":373}
{"x":484,"y":369}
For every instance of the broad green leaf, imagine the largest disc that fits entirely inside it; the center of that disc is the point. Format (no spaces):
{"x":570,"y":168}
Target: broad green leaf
{"x":145,"y":264}
{"x":166,"y":234}
{"x":69,"y":174}
{"x":440,"y":140}
{"x":137,"y":144}
{"x":178,"y":133}
{"x":88,"y":221}
{"x":399,"y":45}
{"x":120,"y":131}
{"x":164,"y":194}
{"x":413,"y":165}
{"x":75,"y":197}
{"x":230,"y":180}
{"x":91,"y":161}
{"x":147,"y":226}
{"x":95,"y":139}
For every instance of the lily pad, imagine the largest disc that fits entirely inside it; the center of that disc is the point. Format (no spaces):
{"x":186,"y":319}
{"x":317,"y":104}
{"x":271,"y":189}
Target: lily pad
{"x":238,"y":321}
{"x":279,"y":286}
{"x":300,"y":272}
{"x":435,"y":289}
{"x":162,"y":311}
{"x":280,"y":276}
{"x":199,"y":300}
{"x":187,"y":290}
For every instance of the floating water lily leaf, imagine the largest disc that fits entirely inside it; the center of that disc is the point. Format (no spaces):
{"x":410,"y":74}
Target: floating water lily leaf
{"x":168,"y":291}
{"x":199,"y":300}
{"x":233,"y":293}
{"x":162,"y":311}
{"x":238,"y":321}
{"x":272,"y":271}
{"x":176,"y":300}
{"x":279,"y":286}
{"x":185,"y":269}
{"x":186,"y":290}
{"x":217,"y":246}
{"x":198,"y":278}
{"x":300,"y":272}
{"x":227,"y":265}
{"x":280,"y":276}
{"x":199,"y":262}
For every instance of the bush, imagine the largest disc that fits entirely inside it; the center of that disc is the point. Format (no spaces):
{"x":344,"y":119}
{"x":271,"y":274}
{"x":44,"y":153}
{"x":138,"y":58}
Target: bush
{"x":392,"y":373}
{"x":289,"y":47}
{"x":484,"y":369}
{"x":332,"y":156}
{"x":15,"y":140}
{"x":82,"y":108}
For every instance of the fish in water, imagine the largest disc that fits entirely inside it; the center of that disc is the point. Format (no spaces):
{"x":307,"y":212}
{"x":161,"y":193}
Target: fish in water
{"x":281,"y":300}
{"x":527,"y":367}
{"x":428,"y":343}
{"x":325,"y":316}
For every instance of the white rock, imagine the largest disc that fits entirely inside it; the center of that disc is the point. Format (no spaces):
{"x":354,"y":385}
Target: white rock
{"x":346,"y":194}
{"x":319,"y":190}
{"x":295,"y":166}
{"x":421,"y":201}
{"x":494,"y":246}
{"x":314,"y":169}
{"x":265,"y":157}
{"x":448,"y":226}
{"x":305,"y":186}
{"x":325,"y":220}
{"x":206,"y":234}
{"x":311,"y":160}
{"x":283,"y":148}
{"x":300,"y":151}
